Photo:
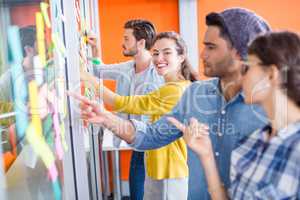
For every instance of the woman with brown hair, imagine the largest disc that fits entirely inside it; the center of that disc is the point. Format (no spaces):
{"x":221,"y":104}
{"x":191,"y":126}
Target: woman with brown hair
{"x":166,"y":167}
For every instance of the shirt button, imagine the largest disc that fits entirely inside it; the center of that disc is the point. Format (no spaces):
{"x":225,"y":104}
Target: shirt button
{"x":220,"y":134}
{"x":223,"y":112}
{"x":217,"y":153}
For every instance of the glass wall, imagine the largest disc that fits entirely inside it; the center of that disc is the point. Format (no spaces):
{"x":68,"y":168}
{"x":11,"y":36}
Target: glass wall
{"x":42,"y":48}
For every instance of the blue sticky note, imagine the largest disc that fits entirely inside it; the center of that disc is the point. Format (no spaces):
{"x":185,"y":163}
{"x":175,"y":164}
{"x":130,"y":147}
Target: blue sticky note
{"x":20,"y":91}
{"x":56,"y":189}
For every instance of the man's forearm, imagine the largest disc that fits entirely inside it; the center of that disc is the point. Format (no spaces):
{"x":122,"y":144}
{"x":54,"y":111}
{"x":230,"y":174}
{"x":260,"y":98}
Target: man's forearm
{"x":120,"y":127}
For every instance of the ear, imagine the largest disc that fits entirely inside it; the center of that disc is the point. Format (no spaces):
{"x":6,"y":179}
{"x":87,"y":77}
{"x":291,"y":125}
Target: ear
{"x":182,"y":58}
{"x":274,"y":75}
{"x":141,"y":44}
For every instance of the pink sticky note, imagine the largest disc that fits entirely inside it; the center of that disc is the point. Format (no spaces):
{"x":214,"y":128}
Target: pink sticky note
{"x":58,"y":144}
{"x":52,"y":172}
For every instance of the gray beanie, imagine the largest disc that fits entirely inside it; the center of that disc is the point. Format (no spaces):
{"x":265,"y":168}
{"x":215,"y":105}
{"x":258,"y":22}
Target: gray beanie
{"x":242,"y":26}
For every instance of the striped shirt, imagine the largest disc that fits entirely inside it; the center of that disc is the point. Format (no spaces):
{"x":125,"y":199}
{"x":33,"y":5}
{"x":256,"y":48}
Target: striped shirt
{"x":263,"y":168}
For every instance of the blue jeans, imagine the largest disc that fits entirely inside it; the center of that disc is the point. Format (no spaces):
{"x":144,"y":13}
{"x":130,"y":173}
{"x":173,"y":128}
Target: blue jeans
{"x":137,"y":176}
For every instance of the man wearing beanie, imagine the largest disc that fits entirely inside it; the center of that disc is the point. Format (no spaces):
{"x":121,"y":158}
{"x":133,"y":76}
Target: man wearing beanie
{"x":218,"y":102}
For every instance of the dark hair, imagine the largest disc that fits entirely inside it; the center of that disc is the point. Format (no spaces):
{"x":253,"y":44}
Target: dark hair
{"x":281,"y":49}
{"x":28,"y":37}
{"x":142,"y":29}
{"x":214,"y":19}
{"x":186,"y":68}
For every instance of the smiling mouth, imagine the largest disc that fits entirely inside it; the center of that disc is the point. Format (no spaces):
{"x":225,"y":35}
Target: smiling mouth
{"x":160,"y":66}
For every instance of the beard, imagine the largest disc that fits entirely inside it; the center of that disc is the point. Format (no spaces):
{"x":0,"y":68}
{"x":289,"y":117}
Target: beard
{"x":129,"y":52}
{"x":219,"y":68}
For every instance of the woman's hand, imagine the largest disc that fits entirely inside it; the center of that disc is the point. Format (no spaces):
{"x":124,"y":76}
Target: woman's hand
{"x":196,"y":136}
{"x":91,"y":111}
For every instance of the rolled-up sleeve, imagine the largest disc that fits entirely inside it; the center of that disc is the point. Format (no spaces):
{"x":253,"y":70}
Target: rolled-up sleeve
{"x":162,"y":132}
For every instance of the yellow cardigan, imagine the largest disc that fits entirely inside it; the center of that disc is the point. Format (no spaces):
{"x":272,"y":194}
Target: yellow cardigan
{"x":169,"y":161}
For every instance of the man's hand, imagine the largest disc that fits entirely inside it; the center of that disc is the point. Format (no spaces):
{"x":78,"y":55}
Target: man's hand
{"x":92,"y":41}
{"x":196,"y":136}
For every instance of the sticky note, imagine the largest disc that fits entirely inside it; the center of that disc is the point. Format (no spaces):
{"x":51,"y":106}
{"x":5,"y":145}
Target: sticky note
{"x":58,"y":146}
{"x":47,"y":125}
{"x":34,"y":106}
{"x":39,"y":145}
{"x":40,"y":35}
{"x":43,"y":103}
{"x":44,"y":8}
{"x":56,"y":189}
{"x":20,"y":91}
{"x":48,"y":130}
{"x":63,"y":137}
{"x":52,"y":172}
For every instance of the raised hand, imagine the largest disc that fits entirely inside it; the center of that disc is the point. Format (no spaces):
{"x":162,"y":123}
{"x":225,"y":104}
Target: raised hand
{"x":92,"y":41}
{"x":91,"y":111}
{"x":196,"y":136}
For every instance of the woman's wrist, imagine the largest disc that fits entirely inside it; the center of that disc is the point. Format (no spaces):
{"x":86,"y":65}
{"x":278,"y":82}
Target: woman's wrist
{"x":207,"y":158}
{"x":206,"y":155}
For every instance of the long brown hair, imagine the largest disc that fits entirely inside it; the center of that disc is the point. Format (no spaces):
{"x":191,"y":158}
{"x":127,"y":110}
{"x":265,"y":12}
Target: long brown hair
{"x":281,"y":49}
{"x":186,"y":70}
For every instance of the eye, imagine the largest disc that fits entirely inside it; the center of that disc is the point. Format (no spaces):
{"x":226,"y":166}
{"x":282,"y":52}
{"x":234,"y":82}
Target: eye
{"x":155,"y":54}
{"x":210,"y":47}
{"x":167,"y":52}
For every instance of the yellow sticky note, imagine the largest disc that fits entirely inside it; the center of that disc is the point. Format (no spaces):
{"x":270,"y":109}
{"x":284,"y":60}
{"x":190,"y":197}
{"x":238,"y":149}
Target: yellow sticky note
{"x":40,"y":35}
{"x":63,"y":139}
{"x":44,"y":8}
{"x":34,"y":106}
{"x":39,"y":145}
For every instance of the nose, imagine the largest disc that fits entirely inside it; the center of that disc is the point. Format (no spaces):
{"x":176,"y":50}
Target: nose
{"x":203,"y":54}
{"x":159,"y":57}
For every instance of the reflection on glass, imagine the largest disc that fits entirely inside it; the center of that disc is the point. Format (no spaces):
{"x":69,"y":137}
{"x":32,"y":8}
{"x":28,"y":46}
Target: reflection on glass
{"x":32,"y":108}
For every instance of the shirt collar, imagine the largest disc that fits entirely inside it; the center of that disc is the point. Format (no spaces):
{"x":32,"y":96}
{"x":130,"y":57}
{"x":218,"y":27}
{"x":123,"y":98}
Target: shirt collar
{"x":215,"y":89}
{"x":289,"y":130}
{"x":283,"y":133}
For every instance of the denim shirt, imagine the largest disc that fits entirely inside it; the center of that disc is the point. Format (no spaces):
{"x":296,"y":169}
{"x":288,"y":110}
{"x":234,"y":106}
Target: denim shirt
{"x":228,"y":121}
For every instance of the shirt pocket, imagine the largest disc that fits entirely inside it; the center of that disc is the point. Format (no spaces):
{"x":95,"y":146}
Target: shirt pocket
{"x":270,"y":192}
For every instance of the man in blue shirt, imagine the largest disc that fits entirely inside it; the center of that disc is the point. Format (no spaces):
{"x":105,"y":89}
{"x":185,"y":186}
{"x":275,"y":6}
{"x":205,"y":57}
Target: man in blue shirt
{"x":218,"y":102}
